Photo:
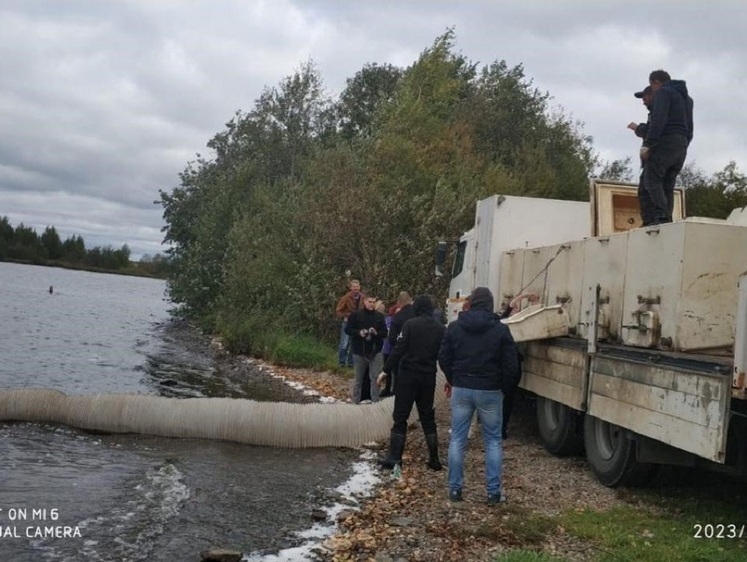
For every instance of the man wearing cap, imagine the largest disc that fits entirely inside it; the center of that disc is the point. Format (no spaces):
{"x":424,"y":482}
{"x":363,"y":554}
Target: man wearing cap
{"x":668,"y":135}
{"x":640,"y":129}
{"x":479,"y":358}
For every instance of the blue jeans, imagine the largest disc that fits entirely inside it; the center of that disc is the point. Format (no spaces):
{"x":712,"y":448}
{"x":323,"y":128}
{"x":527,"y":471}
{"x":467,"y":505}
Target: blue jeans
{"x":343,"y":351}
{"x":489,"y":406}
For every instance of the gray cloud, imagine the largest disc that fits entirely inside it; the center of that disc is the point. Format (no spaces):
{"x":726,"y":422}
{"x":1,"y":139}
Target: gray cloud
{"x":103,"y":103}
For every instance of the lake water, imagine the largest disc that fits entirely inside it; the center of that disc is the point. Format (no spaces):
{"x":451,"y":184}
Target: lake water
{"x":135,"y":497}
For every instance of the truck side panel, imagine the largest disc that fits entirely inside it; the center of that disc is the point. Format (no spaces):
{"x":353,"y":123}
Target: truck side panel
{"x":555,"y":372}
{"x":685,"y":409}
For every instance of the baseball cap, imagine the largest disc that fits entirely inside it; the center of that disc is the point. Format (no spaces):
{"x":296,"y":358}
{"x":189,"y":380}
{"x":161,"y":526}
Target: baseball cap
{"x":646,"y":90}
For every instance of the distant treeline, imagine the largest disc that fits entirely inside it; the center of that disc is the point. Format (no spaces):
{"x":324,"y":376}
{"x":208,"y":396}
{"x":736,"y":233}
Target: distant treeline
{"x":23,"y":244}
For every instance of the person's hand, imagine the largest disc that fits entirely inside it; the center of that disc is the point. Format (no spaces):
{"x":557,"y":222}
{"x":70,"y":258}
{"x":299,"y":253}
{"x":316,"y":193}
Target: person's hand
{"x":372,"y":331}
{"x":644,"y":153}
{"x":447,"y":390}
{"x":381,"y":380}
{"x":363,"y":333}
{"x":632,"y":125}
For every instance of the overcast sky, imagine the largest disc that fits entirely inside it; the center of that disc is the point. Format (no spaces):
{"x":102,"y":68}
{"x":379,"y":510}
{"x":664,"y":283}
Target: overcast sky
{"x":103,"y":102}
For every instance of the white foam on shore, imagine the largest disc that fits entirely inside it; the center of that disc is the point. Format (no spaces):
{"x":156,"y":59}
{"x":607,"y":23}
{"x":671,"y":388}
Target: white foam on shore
{"x":360,"y":485}
{"x":305,"y":390}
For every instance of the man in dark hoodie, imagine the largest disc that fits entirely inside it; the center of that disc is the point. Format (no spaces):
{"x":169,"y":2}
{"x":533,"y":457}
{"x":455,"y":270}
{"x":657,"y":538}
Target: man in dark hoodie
{"x":664,"y":149}
{"x":404,"y":313}
{"x":479,"y":357}
{"x":415,"y":353}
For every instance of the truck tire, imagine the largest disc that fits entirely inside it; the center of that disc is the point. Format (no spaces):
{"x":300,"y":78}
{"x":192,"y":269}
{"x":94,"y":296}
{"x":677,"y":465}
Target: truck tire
{"x":558,"y":427}
{"x":611,"y":451}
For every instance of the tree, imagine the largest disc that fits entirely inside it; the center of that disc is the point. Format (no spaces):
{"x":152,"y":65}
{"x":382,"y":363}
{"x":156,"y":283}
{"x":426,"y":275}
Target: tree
{"x":74,"y":249}
{"x":617,"y":170}
{"x":303,"y":191}
{"x":716,"y":196}
{"x":372,"y":88}
{"x":262,"y":148}
{"x":52,"y":243}
{"x":6,"y":237}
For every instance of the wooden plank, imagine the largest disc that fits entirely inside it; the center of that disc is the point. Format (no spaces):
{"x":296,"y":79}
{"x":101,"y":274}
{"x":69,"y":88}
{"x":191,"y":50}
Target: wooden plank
{"x":691,"y":408}
{"x":706,"y":442}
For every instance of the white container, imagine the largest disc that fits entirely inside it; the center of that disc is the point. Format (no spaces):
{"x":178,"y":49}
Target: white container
{"x":605,"y":261}
{"x":682,"y":281}
{"x":555,"y":275}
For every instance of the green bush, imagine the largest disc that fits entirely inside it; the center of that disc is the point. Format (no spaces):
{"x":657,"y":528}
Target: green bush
{"x":248,"y":335}
{"x":302,"y":351}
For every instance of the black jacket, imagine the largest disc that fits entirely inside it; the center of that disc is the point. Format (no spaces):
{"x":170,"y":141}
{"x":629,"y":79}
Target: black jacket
{"x":671,"y":114}
{"x":405,"y":313}
{"x":364,"y":320}
{"x":479,"y":352}
{"x":417,"y":350}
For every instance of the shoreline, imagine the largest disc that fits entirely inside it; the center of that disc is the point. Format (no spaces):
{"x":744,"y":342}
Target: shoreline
{"x":412,"y":518}
{"x":550,"y":499}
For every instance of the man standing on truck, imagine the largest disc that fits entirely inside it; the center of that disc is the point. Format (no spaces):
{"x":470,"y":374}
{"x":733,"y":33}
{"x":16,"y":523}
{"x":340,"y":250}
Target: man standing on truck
{"x":669,"y":133}
{"x":640,"y":129}
{"x":478,"y":356}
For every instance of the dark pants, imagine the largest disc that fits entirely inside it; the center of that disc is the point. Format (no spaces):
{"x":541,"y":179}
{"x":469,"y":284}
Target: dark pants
{"x":660,"y":174}
{"x":418,"y":389}
{"x":646,"y":205}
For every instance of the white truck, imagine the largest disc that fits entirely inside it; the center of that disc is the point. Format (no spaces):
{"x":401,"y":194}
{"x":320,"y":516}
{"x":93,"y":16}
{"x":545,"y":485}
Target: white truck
{"x":637,"y":348}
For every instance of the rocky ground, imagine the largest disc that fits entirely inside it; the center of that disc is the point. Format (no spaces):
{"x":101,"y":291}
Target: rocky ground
{"x":412,"y":518}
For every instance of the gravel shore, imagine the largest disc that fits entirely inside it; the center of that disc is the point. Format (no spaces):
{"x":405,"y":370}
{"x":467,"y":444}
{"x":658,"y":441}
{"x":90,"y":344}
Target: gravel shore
{"x":412,"y":518}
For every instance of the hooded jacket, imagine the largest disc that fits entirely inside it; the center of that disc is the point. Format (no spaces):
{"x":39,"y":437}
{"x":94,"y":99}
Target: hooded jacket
{"x":671,"y":114}
{"x":405,"y":313}
{"x":417,"y":347}
{"x":478,"y":351}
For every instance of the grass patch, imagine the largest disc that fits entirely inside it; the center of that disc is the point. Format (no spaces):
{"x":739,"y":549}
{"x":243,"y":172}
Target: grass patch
{"x":252,"y":336}
{"x":659,"y":532}
{"x":302,"y":351}
{"x":658,"y":525}
{"x":526,"y":556}
{"x":510,"y":524}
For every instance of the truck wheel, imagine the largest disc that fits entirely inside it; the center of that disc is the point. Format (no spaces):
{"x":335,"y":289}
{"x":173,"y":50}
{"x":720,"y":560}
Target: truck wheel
{"x":611,"y":454}
{"x":558,"y":427}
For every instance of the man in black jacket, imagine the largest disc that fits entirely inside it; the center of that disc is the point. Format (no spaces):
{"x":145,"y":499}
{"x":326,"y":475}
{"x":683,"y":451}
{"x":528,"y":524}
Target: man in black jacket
{"x":405,"y":313}
{"x":416,"y":353}
{"x":367,"y":330}
{"x":479,"y":358}
{"x":669,"y":133}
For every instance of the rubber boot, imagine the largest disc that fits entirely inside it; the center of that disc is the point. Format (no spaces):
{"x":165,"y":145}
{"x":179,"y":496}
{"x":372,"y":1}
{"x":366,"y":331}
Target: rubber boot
{"x":396,"y":446}
{"x":431,"y":440}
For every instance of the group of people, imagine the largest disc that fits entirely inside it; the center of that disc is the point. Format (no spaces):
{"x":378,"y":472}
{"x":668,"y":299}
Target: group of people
{"x":666,"y":135}
{"x":476,"y":353}
{"x":368,"y":335}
